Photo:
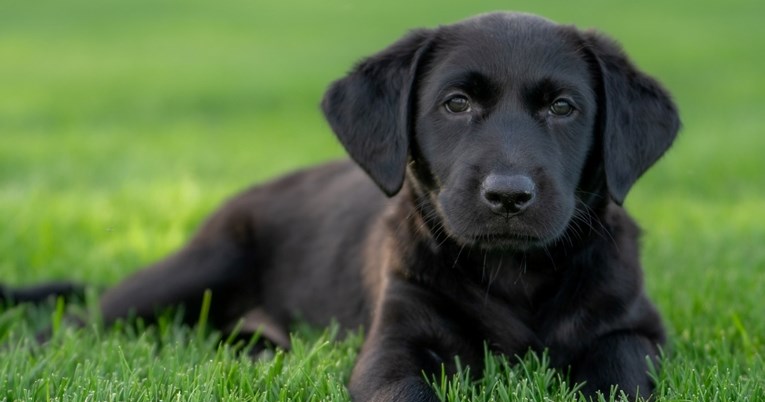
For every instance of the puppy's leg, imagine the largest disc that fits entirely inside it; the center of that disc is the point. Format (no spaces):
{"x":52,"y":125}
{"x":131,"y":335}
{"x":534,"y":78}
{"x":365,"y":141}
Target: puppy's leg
{"x":411,"y":337}
{"x":271,"y":332}
{"x":222,"y":257}
{"x":391,"y":369}
{"x":617,"y":359}
{"x":211,"y":262}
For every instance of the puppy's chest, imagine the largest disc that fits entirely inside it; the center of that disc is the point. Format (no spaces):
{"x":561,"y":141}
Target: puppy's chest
{"x":510,"y":306}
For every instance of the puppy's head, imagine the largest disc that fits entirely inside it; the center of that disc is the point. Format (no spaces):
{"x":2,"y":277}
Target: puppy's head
{"x":506,"y":124}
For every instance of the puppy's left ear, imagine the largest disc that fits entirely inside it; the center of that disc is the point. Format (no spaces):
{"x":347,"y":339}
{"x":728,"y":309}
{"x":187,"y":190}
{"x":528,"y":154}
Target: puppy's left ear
{"x":370,"y":110}
{"x":638,"y":119}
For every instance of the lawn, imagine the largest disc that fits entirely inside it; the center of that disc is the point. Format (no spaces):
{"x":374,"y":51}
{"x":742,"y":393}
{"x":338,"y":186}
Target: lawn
{"x":123,"y":124}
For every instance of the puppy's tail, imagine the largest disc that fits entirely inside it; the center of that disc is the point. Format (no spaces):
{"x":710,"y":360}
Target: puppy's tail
{"x":41,"y":292}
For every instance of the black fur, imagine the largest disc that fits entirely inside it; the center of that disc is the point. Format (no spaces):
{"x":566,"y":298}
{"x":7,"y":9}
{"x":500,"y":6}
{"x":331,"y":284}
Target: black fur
{"x":503,"y":226}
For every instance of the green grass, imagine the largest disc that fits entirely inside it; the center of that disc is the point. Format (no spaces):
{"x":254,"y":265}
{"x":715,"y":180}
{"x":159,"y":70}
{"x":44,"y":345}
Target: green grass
{"x":123,"y":124}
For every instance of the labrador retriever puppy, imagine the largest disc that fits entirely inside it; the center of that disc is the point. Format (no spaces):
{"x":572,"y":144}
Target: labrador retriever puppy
{"x":492,"y":157}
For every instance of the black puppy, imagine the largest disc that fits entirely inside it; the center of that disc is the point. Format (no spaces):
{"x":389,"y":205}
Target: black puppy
{"x":505,"y":145}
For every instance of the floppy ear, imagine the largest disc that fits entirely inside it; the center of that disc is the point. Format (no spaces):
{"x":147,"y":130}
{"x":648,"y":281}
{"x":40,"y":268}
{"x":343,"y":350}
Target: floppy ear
{"x":638,"y":119}
{"x":370,"y":110}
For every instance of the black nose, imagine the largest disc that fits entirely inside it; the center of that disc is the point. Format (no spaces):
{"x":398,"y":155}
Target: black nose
{"x":507,"y":195}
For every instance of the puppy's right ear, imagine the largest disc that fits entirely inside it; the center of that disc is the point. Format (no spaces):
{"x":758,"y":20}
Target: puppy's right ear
{"x":370,"y":109}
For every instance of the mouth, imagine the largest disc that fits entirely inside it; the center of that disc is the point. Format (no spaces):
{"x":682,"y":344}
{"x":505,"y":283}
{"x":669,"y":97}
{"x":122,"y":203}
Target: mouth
{"x":507,"y":241}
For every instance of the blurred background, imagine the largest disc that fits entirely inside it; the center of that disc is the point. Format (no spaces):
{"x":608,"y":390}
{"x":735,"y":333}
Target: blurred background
{"x":124,"y":123}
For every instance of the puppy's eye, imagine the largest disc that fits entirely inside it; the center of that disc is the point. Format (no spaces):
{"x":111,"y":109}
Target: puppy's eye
{"x":561,"y":108}
{"x":457,"y":104}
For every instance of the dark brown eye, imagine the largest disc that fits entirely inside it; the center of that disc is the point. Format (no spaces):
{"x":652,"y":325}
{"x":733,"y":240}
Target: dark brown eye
{"x":561,"y":108}
{"x":457,"y":104}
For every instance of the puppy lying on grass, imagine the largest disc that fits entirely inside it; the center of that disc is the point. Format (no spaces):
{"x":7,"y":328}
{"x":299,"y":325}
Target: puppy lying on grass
{"x":482,"y":207}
